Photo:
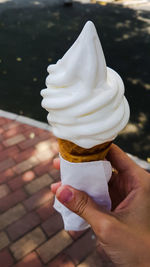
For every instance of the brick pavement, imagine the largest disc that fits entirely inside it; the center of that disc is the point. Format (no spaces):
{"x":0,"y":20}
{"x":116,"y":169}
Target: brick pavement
{"x":31,"y":231}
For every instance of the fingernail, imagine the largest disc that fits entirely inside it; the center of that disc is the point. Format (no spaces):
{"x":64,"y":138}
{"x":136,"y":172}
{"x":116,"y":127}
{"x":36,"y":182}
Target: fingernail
{"x":65,"y":195}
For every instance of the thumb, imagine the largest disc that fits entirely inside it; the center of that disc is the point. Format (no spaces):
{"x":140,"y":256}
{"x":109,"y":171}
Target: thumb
{"x":80,"y":203}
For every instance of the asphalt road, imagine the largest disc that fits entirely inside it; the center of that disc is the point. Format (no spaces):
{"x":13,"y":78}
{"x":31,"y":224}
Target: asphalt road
{"x":34,"y":34}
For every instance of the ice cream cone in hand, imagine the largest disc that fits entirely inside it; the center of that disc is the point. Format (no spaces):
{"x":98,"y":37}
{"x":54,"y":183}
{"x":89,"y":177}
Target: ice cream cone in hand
{"x":86,"y":109}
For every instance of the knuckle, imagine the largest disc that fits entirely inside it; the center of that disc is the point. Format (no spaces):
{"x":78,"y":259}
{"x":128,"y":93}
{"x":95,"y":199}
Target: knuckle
{"x":81,"y":205}
{"x":106,"y":229}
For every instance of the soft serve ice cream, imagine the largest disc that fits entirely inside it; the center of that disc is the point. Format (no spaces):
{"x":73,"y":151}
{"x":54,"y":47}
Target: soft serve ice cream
{"x":85,"y":99}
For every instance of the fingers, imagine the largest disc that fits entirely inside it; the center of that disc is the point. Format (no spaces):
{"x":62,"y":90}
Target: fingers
{"x":56,"y":163}
{"x":55,"y":186}
{"x":119,"y":159}
{"x":80,"y":203}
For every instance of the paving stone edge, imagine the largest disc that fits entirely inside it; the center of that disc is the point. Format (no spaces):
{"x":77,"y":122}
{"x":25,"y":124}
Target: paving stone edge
{"x":26,"y":120}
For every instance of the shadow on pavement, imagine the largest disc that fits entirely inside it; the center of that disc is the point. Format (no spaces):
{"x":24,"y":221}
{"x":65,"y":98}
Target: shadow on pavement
{"x":35,"y":35}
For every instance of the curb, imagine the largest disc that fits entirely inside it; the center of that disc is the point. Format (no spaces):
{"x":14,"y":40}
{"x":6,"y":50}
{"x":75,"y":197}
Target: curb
{"x":26,"y":120}
{"x":45,"y":126}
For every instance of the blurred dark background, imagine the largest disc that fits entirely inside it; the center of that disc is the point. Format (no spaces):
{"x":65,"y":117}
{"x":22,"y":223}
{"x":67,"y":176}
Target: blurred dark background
{"x":35,"y":34}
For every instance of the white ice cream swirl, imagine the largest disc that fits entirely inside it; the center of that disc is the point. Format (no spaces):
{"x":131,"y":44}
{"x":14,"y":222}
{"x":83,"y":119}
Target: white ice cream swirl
{"x":84,"y":98}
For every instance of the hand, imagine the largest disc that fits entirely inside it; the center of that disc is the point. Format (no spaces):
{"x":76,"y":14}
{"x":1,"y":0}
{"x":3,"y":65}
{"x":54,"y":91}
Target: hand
{"x":124,"y":233}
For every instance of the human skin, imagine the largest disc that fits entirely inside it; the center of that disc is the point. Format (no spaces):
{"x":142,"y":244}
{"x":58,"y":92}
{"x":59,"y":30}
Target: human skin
{"x":124,"y":232}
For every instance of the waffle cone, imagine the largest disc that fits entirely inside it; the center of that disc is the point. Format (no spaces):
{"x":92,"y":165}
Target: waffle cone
{"x":73,"y":153}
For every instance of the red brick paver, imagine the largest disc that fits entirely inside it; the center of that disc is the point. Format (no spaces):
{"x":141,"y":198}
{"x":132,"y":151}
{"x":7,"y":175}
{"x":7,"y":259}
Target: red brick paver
{"x":94,"y":260}
{"x":53,"y":224}
{"x":54,"y":246}
{"x":12,"y":199}
{"x":6,"y":175}
{"x":25,"y":165}
{"x":13,"y":140}
{"x":13,"y":131}
{"x":6,"y":164}
{"x":38,"y":199}
{"x":22,"y":226}
{"x":21,"y":180}
{"x":31,"y":231}
{"x":27,"y":243}
{"x":46,"y":210}
{"x":11,"y":215}
{"x":3,"y":121}
{"x":4,"y":190}
{"x":19,"y":157}
{"x":55,"y":174}
{"x":62,"y":260}
{"x":10,"y":124}
{"x":37,"y":184}
{"x":9,"y":152}
{"x":4,"y":241}
{"x":1,"y":146}
{"x":5,"y":258}
{"x":76,"y":251}
{"x":43,"y":167}
{"x":31,"y":260}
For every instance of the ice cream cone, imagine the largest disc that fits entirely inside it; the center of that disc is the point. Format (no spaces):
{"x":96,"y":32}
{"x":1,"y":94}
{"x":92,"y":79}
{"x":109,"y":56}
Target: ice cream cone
{"x":74,"y":153}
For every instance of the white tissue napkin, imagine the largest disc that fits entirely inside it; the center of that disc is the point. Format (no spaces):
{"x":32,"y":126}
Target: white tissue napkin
{"x":90,"y":177}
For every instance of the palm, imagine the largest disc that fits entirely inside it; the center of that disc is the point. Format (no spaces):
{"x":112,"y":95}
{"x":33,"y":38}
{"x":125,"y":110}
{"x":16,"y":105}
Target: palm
{"x":120,"y":186}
